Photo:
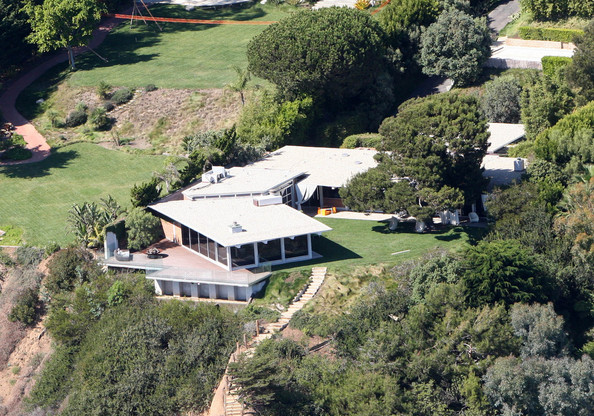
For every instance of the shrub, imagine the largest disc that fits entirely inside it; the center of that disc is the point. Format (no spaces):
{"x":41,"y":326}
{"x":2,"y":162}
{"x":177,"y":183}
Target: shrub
{"x":552,"y":64}
{"x":122,"y":96}
{"x":143,"y":229}
{"x":18,"y":141}
{"x":150,"y":87}
{"x":501,"y":101}
{"x":99,"y":119}
{"x":103,"y":89}
{"x":145,"y":193}
{"x":362,"y":140}
{"x":549,"y":33}
{"x":29,"y":256}
{"x":24,"y":309}
{"x":108,"y":105}
{"x":81,"y":106}
{"x":75,"y":118}
{"x":68,"y":268}
{"x":17,"y":153}
{"x":51,"y":248}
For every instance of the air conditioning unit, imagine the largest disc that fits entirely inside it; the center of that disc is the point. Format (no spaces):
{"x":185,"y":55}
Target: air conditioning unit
{"x":263,"y":200}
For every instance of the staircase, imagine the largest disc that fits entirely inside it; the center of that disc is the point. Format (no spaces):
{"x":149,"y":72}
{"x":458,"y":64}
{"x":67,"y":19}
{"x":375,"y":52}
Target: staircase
{"x":232,"y":405}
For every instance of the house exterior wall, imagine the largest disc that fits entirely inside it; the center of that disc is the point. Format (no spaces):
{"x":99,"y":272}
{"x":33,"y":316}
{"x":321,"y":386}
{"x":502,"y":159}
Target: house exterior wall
{"x":172,"y":231}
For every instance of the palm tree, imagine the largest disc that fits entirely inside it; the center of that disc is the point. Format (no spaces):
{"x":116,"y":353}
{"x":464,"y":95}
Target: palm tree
{"x":240,"y":84}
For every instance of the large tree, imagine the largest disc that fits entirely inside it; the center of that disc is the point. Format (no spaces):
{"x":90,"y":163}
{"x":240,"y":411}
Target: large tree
{"x":333,"y":52}
{"x":437,"y":141}
{"x":455,"y":46}
{"x":580,"y":73}
{"x":63,"y":24}
{"x":13,"y":31}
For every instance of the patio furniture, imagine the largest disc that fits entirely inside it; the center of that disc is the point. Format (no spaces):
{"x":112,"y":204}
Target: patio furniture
{"x":123,"y":255}
{"x":153,"y":253}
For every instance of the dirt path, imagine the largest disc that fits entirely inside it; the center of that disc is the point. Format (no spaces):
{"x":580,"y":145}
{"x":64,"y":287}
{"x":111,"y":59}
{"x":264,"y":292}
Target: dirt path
{"x":35,"y":141}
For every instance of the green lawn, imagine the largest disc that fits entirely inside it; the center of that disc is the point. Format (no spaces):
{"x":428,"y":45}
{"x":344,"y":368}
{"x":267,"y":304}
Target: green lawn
{"x":354,"y":243}
{"x":37,"y":197}
{"x":182,"y":55}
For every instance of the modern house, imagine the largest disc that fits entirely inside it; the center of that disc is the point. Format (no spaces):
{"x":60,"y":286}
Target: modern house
{"x":233,"y":222}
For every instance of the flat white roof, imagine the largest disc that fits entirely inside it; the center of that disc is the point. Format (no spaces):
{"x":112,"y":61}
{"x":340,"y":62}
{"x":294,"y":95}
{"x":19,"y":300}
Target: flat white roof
{"x":324,"y":166}
{"x":503,"y":134}
{"x":249,"y":180}
{"x":213,"y":217}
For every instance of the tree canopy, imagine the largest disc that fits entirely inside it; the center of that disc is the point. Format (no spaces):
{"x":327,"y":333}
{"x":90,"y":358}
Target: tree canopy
{"x":331,"y":52}
{"x":439,"y":140}
{"x":63,"y":24}
{"x":580,"y":73}
{"x":455,"y":46}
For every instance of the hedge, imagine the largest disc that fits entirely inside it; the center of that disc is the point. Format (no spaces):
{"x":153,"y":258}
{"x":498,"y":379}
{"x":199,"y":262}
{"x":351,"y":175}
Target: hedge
{"x":362,"y":140}
{"x":552,"y":64}
{"x":549,"y":33}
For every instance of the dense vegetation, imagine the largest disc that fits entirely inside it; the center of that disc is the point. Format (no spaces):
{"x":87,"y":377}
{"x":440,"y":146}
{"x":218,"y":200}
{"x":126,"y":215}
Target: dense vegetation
{"x":120,"y":351}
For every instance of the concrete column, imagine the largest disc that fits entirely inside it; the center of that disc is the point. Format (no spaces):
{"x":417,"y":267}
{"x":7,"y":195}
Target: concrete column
{"x":231,"y":292}
{"x":309,"y":249}
{"x":176,"y":289}
{"x":256,"y":255}
{"x":194,"y":287}
{"x":158,"y":289}
{"x":212,"y":291}
{"x":248,"y":293}
{"x":282,"y":240}
{"x":321,"y":193}
{"x":229,"y":259}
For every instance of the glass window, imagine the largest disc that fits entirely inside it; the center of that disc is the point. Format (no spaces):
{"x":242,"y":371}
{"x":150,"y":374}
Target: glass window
{"x":185,"y":231}
{"x":269,"y":252}
{"x":296,"y":247}
{"x":243,"y":256}
{"x":194,"y":240}
{"x":222,"y":254}
{"x":203,"y":245}
{"x":212,"y":249}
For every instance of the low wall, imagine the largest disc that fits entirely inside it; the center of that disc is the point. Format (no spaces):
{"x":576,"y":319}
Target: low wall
{"x":512,"y":63}
{"x":538,"y":43}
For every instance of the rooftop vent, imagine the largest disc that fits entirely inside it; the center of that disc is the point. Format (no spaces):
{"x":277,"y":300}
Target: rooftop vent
{"x":235,"y":227}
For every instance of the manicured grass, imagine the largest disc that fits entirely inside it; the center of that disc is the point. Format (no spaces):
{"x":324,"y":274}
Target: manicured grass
{"x":37,"y":197}
{"x":13,"y":236}
{"x":353,"y":243}
{"x":182,"y":55}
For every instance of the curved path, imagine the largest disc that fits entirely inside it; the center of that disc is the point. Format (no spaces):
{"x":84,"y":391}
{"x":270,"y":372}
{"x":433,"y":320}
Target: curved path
{"x":35,"y":141}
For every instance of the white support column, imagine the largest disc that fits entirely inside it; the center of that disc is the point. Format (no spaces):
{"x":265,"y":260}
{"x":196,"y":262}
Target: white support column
{"x":158,"y":288}
{"x":309,"y":250}
{"x":256,"y":255}
{"x":229,"y":259}
{"x":195,"y":287}
{"x":231,"y":292}
{"x":176,"y":289}
{"x":282,"y":240}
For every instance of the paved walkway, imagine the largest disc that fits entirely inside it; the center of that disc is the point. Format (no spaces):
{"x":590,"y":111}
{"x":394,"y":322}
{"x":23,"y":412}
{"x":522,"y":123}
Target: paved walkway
{"x":35,"y":141}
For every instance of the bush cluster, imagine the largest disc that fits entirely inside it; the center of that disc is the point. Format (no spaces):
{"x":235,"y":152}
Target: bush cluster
{"x":549,"y":33}
{"x":76,"y":118}
{"x":17,"y":153}
{"x":552,"y":64}
{"x":362,"y":140}
{"x":24,"y":310}
{"x":122,"y":96}
{"x":99,"y":119}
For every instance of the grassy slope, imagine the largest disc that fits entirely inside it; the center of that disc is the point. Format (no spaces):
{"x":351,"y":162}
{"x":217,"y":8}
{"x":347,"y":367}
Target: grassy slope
{"x":37,"y":197}
{"x":182,"y":56}
{"x":524,"y":19}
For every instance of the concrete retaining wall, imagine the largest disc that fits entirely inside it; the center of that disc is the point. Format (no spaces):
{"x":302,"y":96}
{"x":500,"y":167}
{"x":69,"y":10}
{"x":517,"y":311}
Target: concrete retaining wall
{"x":538,"y":43}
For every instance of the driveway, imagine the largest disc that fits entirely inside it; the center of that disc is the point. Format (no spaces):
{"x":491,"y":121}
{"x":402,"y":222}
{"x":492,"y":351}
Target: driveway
{"x":501,"y":15}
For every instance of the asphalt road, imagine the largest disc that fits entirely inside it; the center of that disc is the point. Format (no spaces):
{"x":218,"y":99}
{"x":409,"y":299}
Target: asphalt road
{"x":501,"y":15}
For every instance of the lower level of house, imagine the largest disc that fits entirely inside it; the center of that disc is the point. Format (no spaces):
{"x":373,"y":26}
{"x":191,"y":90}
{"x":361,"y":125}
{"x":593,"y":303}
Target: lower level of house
{"x":206,"y":290}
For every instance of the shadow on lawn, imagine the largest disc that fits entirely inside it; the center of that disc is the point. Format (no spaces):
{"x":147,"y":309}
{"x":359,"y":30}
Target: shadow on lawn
{"x":328,"y":249}
{"x":58,"y":160}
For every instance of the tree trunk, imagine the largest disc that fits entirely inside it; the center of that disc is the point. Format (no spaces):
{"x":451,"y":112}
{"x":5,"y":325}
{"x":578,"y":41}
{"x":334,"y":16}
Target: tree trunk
{"x":71,"y":57}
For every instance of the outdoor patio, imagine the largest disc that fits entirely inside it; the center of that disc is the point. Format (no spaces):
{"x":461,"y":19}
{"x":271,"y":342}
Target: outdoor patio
{"x":176,"y":263}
